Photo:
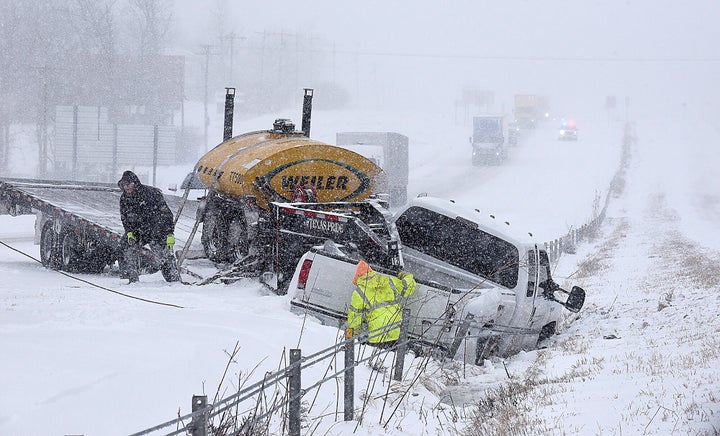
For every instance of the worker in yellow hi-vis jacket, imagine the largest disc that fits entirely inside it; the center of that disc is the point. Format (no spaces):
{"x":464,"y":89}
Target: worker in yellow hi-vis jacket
{"x":377,"y":301}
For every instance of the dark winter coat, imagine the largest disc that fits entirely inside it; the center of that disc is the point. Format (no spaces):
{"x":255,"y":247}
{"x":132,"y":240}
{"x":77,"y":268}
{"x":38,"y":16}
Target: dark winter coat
{"x":145,"y":212}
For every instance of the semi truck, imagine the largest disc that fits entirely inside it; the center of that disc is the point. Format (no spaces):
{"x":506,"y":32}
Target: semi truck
{"x":250,"y":175}
{"x":526,"y":111}
{"x":488,"y":140}
{"x":484,"y":288}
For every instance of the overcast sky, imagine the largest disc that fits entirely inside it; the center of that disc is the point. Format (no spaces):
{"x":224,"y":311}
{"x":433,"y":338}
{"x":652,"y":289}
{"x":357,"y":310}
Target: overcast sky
{"x":653,"y":51}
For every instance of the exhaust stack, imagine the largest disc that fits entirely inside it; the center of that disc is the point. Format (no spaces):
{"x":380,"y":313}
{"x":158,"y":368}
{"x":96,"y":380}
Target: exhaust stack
{"x":307,"y":111}
{"x":229,"y":108}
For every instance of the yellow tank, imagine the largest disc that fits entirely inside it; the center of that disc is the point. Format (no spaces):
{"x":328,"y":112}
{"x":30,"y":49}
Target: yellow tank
{"x":269,"y":165}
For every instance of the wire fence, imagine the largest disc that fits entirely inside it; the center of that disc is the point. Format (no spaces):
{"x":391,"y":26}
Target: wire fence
{"x":284,"y":387}
{"x":568,"y":242}
{"x":272,"y":405}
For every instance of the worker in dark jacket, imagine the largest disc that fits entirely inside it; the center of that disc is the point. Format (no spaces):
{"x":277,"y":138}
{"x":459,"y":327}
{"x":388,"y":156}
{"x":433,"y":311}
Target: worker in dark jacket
{"x":377,"y":300}
{"x":147,"y":220}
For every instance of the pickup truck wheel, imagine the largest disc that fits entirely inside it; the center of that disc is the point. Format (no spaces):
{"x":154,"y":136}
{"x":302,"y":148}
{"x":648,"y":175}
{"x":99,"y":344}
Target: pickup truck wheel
{"x":546,"y":332}
{"x":486,"y":347}
{"x":49,"y":253}
{"x":71,"y":252}
{"x":215,"y":237}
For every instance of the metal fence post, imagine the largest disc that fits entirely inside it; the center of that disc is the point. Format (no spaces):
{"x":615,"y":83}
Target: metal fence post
{"x":349,"y":393}
{"x":198,"y":426}
{"x":402,"y":347}
{"x":295,"y":397}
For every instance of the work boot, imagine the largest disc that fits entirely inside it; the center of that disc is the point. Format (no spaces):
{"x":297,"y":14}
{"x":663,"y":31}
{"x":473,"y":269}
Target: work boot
{"x":170,"y":270}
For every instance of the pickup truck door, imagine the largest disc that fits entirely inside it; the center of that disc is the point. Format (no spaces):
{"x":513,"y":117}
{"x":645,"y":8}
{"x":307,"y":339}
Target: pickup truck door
{"x":538,"y":272}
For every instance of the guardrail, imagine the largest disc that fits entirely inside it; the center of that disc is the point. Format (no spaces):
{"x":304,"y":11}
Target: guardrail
{"x":284,"y":386}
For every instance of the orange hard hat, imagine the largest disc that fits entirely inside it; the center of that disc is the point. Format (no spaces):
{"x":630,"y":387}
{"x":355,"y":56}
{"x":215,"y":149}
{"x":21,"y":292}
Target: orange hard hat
{"x":362,"y":269}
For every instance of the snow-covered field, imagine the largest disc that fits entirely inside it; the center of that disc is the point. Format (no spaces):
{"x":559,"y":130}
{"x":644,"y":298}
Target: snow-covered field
{"x":640,"y":358}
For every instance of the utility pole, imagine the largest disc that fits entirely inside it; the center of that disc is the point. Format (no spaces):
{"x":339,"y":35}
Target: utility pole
{"x":42,"y":137}
{"x":232,"y":37}
{"x":206,"y":120}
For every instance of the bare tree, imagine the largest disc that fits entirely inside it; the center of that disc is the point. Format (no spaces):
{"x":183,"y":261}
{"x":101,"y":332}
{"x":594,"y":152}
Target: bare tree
{"x":154,"y":18}
{"x":33,"y":49}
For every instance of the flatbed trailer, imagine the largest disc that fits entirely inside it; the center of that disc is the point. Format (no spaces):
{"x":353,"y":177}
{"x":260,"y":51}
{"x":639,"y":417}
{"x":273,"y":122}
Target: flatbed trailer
{"x":78,"y":224}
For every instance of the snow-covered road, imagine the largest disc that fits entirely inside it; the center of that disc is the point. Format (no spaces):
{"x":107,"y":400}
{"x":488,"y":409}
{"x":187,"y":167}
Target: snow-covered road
{"x":638,"y":358}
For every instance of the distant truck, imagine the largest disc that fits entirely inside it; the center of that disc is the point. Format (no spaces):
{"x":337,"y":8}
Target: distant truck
{"x":526,"y":110}
{"x":488,"y":142}
{"x":484,"y":288}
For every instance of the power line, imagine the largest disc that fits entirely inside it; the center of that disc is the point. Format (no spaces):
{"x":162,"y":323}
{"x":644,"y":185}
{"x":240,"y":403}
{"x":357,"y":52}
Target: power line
{"x":648,"y":59}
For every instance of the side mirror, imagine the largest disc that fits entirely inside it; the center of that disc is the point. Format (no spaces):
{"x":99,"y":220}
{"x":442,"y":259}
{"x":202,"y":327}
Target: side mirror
{"x":575,"y":300}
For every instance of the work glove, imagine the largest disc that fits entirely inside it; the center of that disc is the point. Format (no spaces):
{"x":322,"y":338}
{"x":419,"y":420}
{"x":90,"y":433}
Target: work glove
{"x":131,"y":238}
{"x":402,"y":274}
{"x":170,"y":241}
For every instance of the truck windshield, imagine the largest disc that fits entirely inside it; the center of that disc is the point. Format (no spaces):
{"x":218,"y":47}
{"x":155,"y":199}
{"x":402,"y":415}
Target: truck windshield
{"x":486,"y":128}
{"x":461,"y":244}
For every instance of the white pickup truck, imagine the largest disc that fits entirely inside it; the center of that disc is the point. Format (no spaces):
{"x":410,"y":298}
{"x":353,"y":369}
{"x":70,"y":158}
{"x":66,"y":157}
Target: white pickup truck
{"x":483,"y":288}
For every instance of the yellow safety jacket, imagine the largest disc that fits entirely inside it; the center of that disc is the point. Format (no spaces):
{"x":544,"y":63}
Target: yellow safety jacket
{"x":377,"y":299}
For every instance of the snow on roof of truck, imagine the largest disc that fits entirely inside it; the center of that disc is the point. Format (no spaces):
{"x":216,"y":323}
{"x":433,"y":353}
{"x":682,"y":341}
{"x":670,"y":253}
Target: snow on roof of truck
{"x":485,"y":220}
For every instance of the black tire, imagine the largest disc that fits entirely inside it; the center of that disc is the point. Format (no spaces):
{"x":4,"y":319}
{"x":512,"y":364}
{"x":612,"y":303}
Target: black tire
{"x":486,"y":347}
{"x":71,"y":252}
{"x":170,"y":271}
{"x":546,"y":332}
{"x":214,"y":237}
{"x":237,"y":238}
{"x":98,"y":259}
{"x":49,"y":253}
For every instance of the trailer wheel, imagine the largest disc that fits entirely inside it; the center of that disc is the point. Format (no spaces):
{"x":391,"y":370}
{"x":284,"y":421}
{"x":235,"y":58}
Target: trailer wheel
{"x":97,"y":260}
{"x":71,"y":252}
{"x":215,"y":237}
{"x":237,"y":237}
{"x":49,"y":253}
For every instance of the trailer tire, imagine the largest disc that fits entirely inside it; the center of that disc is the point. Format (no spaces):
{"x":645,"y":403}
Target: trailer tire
{"x":49,"y":252}
{"x":215,"y":237}
{"x":71,"y":252}
{"x":97,"y":260}
{"x":237,"y":238}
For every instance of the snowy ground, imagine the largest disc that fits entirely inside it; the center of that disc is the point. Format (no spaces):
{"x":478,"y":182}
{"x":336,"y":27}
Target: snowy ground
{"x":640,"y":358}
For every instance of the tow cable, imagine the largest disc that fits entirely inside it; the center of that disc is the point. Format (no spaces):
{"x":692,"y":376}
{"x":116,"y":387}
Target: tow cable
{"x":94,"y":284}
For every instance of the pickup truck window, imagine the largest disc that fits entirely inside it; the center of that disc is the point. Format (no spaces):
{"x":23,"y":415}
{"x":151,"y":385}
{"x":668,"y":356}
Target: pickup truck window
{"x":544,"y":272}
{"x":460,"y":244}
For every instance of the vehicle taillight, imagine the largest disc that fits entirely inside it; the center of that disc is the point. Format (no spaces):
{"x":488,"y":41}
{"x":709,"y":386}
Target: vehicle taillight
{"x":304,"y":273}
